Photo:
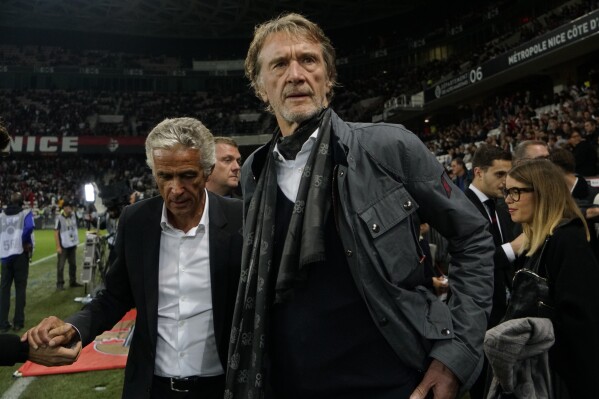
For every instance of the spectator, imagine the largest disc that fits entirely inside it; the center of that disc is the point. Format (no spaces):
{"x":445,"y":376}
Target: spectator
{"x":461,"y":174}
{"x":584,"y":153}
{"x":530,"y":149}
{"x":66,"y":238}
{"x":557,"y":248}
{"x":224,"y":178}
{"x":16,"y":238}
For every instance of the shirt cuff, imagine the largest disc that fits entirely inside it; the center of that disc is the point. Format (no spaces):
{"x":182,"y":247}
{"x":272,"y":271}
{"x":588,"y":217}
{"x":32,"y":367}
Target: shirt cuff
{"x":76,"y":338}
{"x":509,"y":251}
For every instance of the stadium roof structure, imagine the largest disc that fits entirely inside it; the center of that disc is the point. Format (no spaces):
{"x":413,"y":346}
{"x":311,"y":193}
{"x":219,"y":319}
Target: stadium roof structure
{"x":197,"y":19}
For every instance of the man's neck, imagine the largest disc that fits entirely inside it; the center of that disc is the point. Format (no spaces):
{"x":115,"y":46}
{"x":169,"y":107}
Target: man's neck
{"x":223,"y":191}
{"x":571,"y":180}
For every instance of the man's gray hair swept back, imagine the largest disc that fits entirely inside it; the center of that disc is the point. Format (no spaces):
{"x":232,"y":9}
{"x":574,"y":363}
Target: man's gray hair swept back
{"x":182,"y":132}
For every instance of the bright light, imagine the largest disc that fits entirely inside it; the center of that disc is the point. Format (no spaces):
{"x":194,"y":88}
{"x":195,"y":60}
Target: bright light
{"x":90,"y":194}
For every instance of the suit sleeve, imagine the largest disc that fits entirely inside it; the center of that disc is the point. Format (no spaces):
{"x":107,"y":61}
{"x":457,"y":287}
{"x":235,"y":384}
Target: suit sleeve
{"x":112,"y":302}
{"x":12,"y":350}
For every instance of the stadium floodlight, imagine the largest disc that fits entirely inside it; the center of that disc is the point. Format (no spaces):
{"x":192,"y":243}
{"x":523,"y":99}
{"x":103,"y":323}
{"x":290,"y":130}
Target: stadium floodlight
{"x":90,"y":193}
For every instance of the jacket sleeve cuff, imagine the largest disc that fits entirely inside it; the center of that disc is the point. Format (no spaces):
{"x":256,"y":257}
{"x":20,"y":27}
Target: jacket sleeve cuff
{"x":461,"y":361}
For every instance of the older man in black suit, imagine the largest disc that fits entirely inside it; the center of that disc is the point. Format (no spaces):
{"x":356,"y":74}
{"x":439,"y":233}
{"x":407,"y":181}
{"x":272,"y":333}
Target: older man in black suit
{"x":178,"y":262}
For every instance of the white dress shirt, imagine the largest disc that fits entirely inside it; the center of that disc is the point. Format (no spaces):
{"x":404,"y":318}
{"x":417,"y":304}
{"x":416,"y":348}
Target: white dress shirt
{"x":289,"y":171}
{"x":507,"y":247}
{"x":186,"y":344}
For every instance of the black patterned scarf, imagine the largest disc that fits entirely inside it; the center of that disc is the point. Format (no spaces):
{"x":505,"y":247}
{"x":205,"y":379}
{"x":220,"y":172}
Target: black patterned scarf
{"x":304,"y":244}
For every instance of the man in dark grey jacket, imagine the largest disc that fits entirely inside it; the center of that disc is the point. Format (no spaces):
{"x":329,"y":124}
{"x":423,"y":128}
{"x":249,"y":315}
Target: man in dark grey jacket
{"x":332,"y":301}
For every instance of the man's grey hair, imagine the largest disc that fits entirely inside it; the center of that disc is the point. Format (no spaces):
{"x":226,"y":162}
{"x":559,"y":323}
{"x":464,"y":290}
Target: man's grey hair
{"x":520,"y":152}
{"x":182,"y":132}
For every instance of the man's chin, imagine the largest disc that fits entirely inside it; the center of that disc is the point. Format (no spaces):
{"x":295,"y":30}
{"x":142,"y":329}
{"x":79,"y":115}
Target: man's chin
{"x":299,"y":116}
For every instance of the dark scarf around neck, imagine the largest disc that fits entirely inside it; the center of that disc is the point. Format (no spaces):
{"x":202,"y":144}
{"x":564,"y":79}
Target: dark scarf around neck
{"x":304,"y":244}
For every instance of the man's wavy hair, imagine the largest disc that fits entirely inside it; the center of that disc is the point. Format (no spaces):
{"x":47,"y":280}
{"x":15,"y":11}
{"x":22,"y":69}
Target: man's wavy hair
{"x":182,"y":132}
{"x":297,"y":26}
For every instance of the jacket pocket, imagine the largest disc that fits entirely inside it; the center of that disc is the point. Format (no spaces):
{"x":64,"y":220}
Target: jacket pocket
{"x":386,"y":212}
{"x":387,"y":231}
{"x":427,"y":314}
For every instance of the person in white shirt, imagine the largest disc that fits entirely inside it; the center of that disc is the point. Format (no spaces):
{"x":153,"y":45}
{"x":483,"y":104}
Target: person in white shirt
{"x":178,"y":262}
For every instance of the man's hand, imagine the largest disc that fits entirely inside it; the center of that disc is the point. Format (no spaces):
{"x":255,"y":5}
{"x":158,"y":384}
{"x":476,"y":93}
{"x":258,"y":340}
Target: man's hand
{"x":58,"y":356}
{"x":59,"y":250}
{"x":50,"y":332}
{"x":52,"y":342}
{"x":440,"y":379}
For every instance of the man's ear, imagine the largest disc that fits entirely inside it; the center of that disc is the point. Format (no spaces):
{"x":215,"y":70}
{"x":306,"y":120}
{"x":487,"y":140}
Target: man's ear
{"x":329,"y":85}
{"x":478,"y":172}
{"x":262,"y":93}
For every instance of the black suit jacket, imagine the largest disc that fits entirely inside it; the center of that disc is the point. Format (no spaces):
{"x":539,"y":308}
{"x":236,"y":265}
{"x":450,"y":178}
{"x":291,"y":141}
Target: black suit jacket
{"x":12,"y":350}
{"x":503,"y":270}
{"x":132,"y":282}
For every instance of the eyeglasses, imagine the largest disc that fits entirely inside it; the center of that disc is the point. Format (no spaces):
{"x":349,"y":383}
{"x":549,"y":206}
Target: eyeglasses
{"x":515,"y":192}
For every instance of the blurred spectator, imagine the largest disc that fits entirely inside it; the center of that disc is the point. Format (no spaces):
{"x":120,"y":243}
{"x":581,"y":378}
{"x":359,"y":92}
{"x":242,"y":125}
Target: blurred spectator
{"x":584,"y":154}
{"x":461,"y":174}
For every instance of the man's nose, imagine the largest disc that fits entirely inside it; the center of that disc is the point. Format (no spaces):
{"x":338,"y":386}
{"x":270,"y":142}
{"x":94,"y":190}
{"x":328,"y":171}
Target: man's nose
{"x":176,"y":186}
{"x":295,"y":72}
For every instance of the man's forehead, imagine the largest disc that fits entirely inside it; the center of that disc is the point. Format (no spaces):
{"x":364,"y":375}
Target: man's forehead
{"x":226,"y":147}
{"x":501,"y":164}
{"x":537,"y":150}
{"x":286,"y":39}
{"x":178,"y":150}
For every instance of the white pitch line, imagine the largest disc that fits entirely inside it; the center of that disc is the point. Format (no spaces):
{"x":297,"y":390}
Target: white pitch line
{"x":18,"y":387}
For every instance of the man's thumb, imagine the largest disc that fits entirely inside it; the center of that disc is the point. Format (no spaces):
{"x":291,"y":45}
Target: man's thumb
{"x":420,"y":392}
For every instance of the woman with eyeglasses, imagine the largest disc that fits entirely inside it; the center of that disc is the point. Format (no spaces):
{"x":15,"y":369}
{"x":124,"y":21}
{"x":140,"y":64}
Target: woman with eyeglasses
{"x":557,"y":239}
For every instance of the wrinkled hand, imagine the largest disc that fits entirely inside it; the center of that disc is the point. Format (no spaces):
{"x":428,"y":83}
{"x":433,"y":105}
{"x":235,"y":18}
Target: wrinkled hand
{"x":57,"y":356}
{"x":50,"y":332}
{"x":441,"y":380}
{"x":52,"y":342}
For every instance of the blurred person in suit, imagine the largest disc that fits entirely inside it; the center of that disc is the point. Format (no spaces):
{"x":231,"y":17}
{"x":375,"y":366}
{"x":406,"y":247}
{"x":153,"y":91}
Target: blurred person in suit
{"x":530,"y":149}
{"x":224,"y":179}
{"x":490,"y":165}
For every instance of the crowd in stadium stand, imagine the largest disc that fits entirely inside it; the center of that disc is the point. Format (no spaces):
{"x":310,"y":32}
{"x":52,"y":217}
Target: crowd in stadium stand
{"x":501,"y":121}
{"x":60,"y":112}
{"x":507,"y":121}
{"x":47,"y":182}
{"x":504,"y":121}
